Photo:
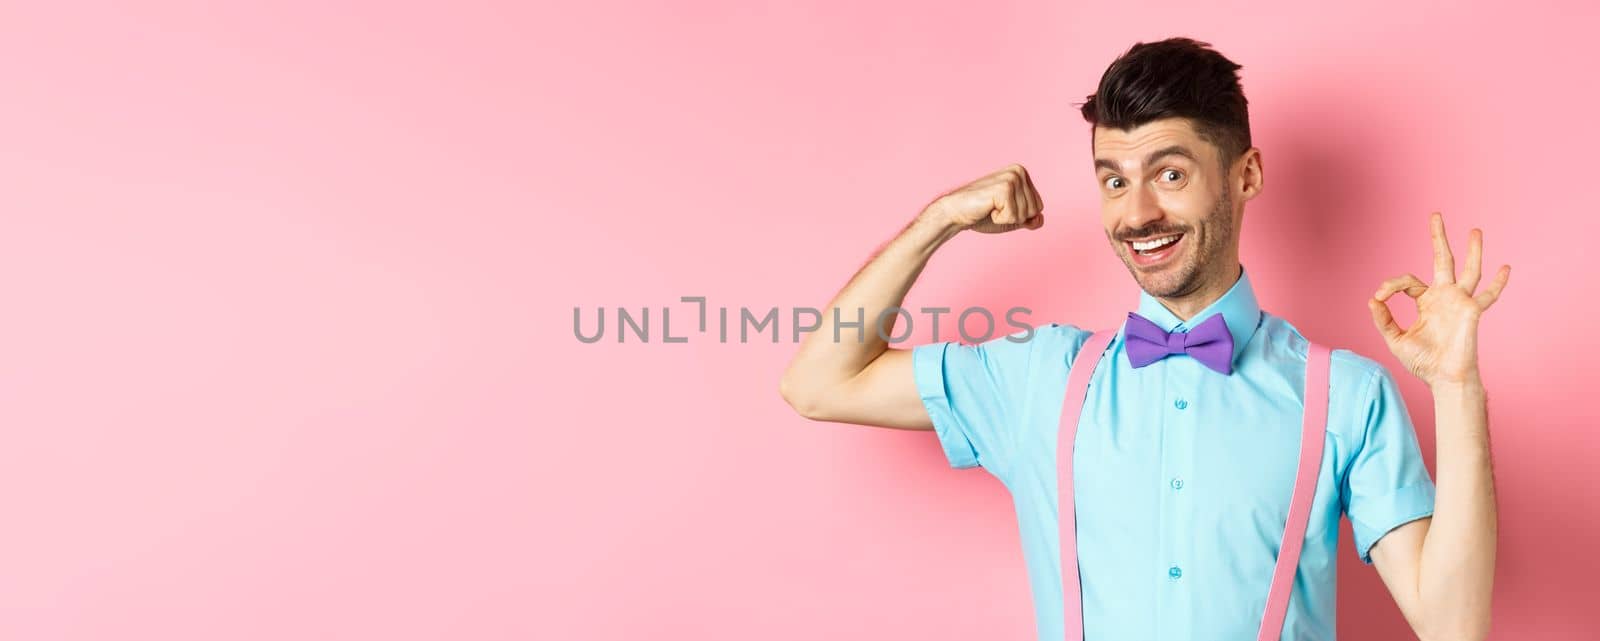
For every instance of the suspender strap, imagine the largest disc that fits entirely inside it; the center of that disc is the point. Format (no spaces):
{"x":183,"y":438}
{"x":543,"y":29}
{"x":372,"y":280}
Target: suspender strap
{"x":1305,"y":488}
{"x":1072,"y":407}
{"x":1314,"y":425}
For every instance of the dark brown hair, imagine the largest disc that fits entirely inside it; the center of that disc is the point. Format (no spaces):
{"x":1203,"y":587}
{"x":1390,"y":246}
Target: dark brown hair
{"x":1175,"y":78}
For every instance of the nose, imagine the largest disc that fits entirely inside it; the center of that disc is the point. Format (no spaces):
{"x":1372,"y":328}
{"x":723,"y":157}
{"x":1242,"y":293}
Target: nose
{"x":1143,"y":208}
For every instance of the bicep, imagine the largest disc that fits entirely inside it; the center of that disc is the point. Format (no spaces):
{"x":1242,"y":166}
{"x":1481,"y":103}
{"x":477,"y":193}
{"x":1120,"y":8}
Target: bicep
{"x":884,"y":393}
{"x":1389,"y":495}
{"x":963,"y":393}
{"x":1398,"y":558}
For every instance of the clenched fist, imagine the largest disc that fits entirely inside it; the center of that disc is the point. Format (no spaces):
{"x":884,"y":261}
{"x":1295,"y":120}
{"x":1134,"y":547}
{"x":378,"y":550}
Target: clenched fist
{"x":999,"y":202}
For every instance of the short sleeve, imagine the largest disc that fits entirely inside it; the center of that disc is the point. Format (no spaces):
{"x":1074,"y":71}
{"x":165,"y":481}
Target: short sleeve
{"x":971,"y":394}
{"x":1387,"y":485}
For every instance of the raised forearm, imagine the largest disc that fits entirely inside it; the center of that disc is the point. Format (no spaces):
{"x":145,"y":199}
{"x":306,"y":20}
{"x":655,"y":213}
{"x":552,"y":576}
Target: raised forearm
{"x":1456,"y":571}
{"x":880,"y":285}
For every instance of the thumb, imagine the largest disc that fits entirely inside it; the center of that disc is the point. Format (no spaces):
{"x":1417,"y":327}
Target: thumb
{"x":1036,"y":222}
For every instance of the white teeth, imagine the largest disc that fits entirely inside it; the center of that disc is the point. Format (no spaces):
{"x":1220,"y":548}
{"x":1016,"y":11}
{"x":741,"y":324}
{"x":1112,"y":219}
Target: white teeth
{"x":1159,"y":242}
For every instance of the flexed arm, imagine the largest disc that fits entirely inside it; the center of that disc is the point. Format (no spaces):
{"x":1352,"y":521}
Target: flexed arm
{"x":868,"y":382}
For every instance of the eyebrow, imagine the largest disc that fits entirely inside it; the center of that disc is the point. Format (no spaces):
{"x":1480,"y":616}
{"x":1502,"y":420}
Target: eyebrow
{"x":1174,"y":150}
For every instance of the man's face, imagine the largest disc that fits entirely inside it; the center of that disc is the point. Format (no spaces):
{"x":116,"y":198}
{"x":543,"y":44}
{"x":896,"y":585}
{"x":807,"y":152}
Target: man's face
{"x":1158,"y":182}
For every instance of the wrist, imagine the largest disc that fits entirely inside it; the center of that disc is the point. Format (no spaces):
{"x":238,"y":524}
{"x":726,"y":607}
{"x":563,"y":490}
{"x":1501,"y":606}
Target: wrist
{"x":935,"y":224}
{"x":1456,"y":384}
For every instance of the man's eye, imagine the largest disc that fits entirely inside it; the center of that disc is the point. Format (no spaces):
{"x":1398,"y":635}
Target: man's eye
{"x":1114,"y":182}
{"x":1175,"y":174}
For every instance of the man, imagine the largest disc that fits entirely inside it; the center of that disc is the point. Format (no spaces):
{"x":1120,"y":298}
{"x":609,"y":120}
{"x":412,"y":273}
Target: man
{"x":1182,"y":467}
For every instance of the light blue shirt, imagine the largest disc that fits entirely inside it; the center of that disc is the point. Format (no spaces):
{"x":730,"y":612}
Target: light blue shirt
{"x":1183,"y":474}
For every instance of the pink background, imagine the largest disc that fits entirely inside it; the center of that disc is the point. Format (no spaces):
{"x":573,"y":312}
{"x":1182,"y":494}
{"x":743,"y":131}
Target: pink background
{"x":288,"y":348}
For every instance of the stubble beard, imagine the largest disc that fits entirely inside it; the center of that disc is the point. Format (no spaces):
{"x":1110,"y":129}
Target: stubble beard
{"x":1198,"y":260}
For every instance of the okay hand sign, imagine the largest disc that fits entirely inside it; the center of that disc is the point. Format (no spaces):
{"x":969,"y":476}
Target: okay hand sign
{"x":1441,"y":346}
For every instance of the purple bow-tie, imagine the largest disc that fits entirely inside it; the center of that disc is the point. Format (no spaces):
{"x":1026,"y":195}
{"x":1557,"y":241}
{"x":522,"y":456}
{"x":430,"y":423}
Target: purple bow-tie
{"x":1210,"y":342}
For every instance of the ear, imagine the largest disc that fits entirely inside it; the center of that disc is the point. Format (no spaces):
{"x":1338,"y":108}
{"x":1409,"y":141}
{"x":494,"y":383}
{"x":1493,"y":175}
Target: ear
{"x":1250,"y":177}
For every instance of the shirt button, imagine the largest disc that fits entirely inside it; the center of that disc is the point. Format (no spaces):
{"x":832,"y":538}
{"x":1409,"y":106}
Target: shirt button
{"x":1175,"y":572}
{"x":1180,"y":404}
{"x":1177,"y":484}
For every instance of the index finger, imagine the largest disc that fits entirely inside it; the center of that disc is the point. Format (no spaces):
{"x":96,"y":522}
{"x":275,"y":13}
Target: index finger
{"x":1444,"y":264}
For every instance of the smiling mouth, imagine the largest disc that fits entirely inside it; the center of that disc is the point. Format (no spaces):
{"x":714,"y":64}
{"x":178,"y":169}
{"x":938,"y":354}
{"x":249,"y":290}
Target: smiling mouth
{"x":1155,"y":250}
{"x":1153,"y":245}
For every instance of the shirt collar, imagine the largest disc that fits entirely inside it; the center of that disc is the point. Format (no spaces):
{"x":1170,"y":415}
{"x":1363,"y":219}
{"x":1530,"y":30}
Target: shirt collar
{"x":1238,"y":307}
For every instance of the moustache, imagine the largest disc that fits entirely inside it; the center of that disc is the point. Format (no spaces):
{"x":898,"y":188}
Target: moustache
{"x":1150,"y":232}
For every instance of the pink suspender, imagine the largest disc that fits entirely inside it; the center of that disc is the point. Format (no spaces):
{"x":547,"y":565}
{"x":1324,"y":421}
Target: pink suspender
{"x":1314,"y":425}
{"x":1294,"y":532}
{"x":1072,"y":408}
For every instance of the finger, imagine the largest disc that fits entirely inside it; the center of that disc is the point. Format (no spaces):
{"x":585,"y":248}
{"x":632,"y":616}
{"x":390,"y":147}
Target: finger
{"x":1019,"y":187}
{"x":1470,"y":275}
{"x":1384,"y":320}
{"x":1444,"y":265}
{"x":1492,"y":292}
{"x":1408,"y":283}
{"x":1033,"y":192}
{"x":1030,"y":200}
{"x":1037,"y":221}
{"x":1014,"y":195}
{"x":1025,"y":200}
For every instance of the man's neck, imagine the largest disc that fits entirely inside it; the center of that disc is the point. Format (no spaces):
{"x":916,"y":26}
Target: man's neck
{"x":1185,"y":307}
